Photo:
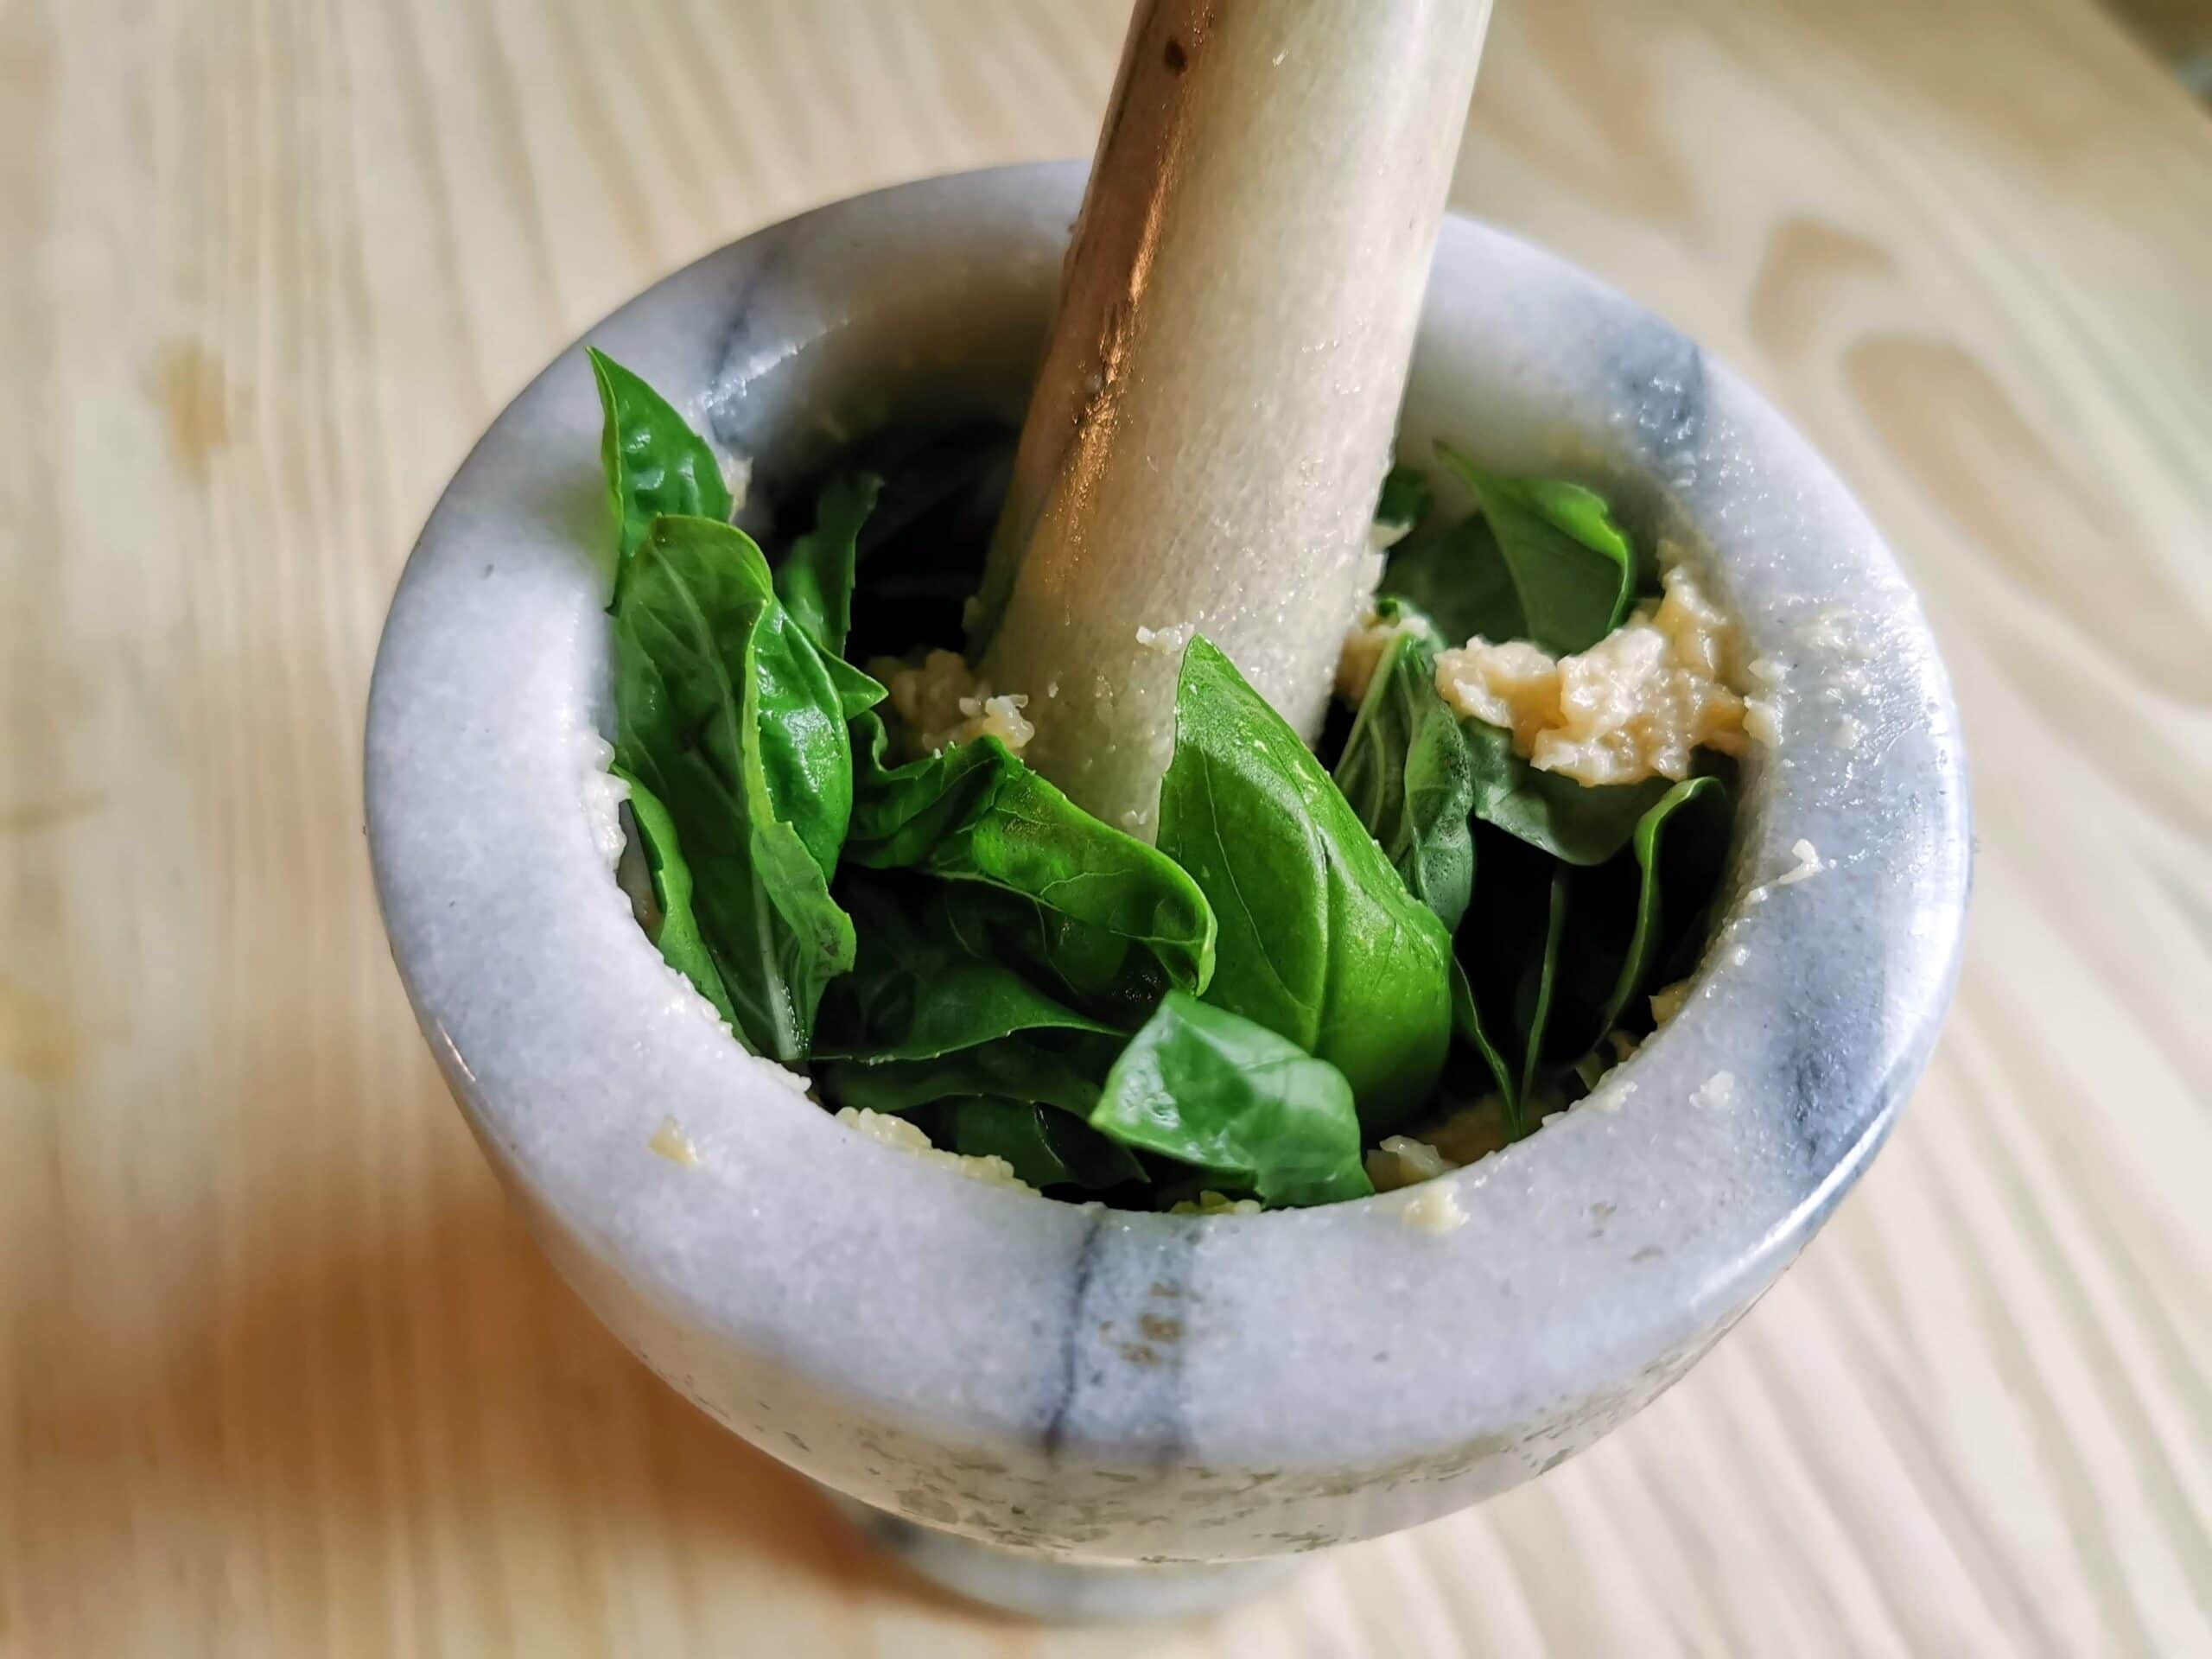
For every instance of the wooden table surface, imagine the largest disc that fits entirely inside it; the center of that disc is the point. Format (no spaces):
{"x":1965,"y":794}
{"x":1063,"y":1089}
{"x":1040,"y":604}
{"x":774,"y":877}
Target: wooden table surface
{"x":280,"y":1373}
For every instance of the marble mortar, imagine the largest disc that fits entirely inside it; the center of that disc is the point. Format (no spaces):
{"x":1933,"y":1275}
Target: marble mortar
{"x":1037,"y":1397}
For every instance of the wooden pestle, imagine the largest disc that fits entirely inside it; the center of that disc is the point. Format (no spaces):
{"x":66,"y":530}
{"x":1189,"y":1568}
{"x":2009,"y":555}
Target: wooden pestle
{"x":1214,"y":409}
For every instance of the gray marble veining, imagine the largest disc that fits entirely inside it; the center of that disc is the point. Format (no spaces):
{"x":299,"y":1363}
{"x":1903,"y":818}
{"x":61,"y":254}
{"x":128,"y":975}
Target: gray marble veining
{"x":1132,"y":1388}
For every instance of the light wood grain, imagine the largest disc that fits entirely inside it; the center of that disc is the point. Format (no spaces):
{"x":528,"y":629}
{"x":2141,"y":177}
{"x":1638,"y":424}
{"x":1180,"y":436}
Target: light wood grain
{"x":279,"y":1373}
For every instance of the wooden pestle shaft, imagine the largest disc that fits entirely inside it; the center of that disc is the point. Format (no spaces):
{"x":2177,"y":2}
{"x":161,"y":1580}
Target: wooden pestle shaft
{"x":1214,"y":409}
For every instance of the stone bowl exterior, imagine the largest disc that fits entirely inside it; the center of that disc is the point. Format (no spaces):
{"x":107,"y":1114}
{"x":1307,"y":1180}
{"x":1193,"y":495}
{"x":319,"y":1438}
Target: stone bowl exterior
{"x":1079,"y":1384}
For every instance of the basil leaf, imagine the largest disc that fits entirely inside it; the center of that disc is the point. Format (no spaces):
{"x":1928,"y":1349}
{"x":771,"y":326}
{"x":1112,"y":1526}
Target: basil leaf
{"x":923,"y":549}
{"x":1117,"y":979}
{"x":1542,"y":975}
{"x":1318,"y":939}
{"x":815,"y":579}
{"x":1216,"y":1091}
{"x":916,"y":992}
{"x":900,"y":812}
{"x":726,"y":713}
{"x":1046,"y":1147}
{"x":776,"y":936}
{"x":1681,"y":846}
{"x":857,"y":692}
{"x":941,"y":490}
{"x":699,"y":600}
{"x":680,"y":944}
{"x":1571,"y":564}
{"x":1467,"y":1025}
{"x":1499,"y":949}
{"x":655,"y":463}
{"x":1455,"y":574}
{"x":815,"y":582}
{"x":1600,"y":927}
{"x":1405,"y":500}
{"x":1574,"y":821}
{"x":1406,"y":772}
{"x":1634,"y":913}
{"x":973,"y":812}
{"x":1029,"y":1065}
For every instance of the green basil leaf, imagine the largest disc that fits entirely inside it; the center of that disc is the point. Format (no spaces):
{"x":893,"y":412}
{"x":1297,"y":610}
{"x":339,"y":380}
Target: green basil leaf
{"x":777,"y":937}
{"x":1634,"y":913}
{"x":726,"y":713}
{"x":923,"y":549}
{"x":1034,"y":1066}
{"x":973,"y":812}
{"x":1467,"y":1025}
{"x":1405,"y":500}
{"x":655,"y":463}
{"x":1681,"y":847}
{"x":1216,"y":1091}
{"x":815,"y":579}
{"x":1572,"y":565}
{"x":900,"y":812}
{"x":1571,"y":820}
{"x":1046,"y":1147}
{"x":917,"y":992}
{"x":1455,"y":575}
{"x":1114,"y":978}
{"x":699,"y":598}
{"x":680,"y":944}
{"x":1499,"y":948}
{"x":1601,"y":926}
{"x":1543,"y":976}
{"x":941,"y":492}
{"x":1406,"y":771}
{"x":857,"y":692}
{"x":988,"y":1126}
{"x":1319,"y":940}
